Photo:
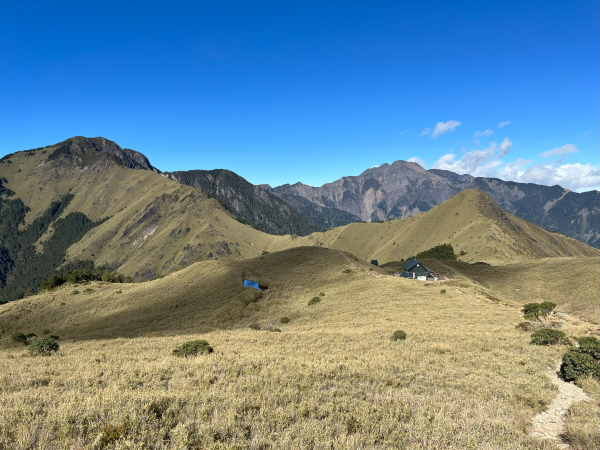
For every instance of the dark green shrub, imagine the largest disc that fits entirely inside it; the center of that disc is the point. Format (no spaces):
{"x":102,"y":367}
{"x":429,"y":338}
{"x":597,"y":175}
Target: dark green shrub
{"x":89,"y":290}
{"x":322,"y":294}
{"x":314,"y":301}
{"x":398,"y":335}
{"x":52,"y":336}
{"x":547,"y":336}
{"x":255,"y":326}
{"x":575,"y":364}
{"x":443,"y":291}
{"x":46,"y":331}
{"x":537,"y":310}
{"x":525,"y":326}
{"x":590,"y":345}
{"x":284,"y":320}
{"x":30,"y":335}
{"x":74,"y":292}
{"x":19,"y":337}
{"x":277,"y":330}
{"x":192,"y":348}
{"x":43,"y":347}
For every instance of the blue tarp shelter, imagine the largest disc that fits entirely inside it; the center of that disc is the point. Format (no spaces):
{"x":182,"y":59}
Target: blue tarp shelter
{"x":254,"y":284}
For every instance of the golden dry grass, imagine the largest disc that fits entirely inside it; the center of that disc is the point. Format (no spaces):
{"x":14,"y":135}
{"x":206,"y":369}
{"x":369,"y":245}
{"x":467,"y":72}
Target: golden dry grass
{"x":572,"y":283}
{"x":463,"y":378}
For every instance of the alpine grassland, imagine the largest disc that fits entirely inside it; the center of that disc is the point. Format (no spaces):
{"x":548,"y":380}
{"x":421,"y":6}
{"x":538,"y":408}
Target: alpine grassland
{"x":463,"y":378}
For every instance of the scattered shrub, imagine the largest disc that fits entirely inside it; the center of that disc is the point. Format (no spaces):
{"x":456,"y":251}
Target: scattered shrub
{"x":590,"y":345}
{"x":108,"y":435}
{"x":19,"y":337}
{"x":119,"y":291}
{"x":275,"y":329}
{"x":322,"y":294}
{"x":398,"y":335}
{"x":62,"y":304}
{"x":525,"y":326}
{"x":284,"y":320}
{"x":348,"y":271}
{"x":255,"y":326}
{"x":43,"y":347}
{"x":314,"y":301}
{"x":576,"y":363}
{"x":443,"y":291}
{"x":46,"y":331}
{"x":192,"y":348}
{"x":537,"y":310}
{"x":53,"y":336}
{"x":74,"y":292}
{"x":89,"y":290}
{"x":548,"y":336}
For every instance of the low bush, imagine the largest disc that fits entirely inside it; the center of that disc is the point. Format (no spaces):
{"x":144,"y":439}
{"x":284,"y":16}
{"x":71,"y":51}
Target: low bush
{"x":537,"y":310}
{"x":443,"y":291}
{"x":284,"y":320}
{"x":314,"y":301}
{"x":275,"y":329}
{"x":576,"y":363}
{"x":89,"y":290}
{"x":322,"y":294}
{"x":398,"y":335}
{"x":525,"y":326}
{"x":43,"y":347}
{"x":53,"y":336}
{"x":548,"y":336}
{"x":46,"y":331}
{"x":19,"y":337}
{"x":255,"y":326}
{"x":590,"y":345}
{"x":74,"y":292}
{"x":192,"y":348}
{"x":348,"y":271}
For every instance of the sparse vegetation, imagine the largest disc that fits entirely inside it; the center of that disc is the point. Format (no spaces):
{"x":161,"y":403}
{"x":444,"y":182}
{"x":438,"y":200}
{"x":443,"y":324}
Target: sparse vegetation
{"x":284,"y":320}
{"x":549,"y":336}
{"x":193,"y":348}
{"x":314,"y":301}
{"x":398,"y":335}
{"x":19,"y":337}
{"x":43,"y":347}
{"x":443,"y":291}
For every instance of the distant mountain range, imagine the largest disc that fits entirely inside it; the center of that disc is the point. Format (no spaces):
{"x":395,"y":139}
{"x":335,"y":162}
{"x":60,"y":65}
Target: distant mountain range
{"x":403,"y":189}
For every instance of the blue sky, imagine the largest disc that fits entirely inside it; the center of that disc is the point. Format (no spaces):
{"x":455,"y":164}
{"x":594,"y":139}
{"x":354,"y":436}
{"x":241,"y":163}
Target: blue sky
{"x":281,"y":92}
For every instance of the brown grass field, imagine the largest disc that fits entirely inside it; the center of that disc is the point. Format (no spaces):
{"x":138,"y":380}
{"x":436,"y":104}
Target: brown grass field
{"x":464,"y":378}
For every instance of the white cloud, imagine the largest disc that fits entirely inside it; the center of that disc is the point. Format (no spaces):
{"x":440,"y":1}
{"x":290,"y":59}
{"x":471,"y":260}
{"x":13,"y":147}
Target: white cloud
{"x":560,"y":151}
{"x":505,"y":147}
{"x":417,"y":160}
{"x":488,"y":163}
{"x":440,"y":128}
{"x":503,"y":124}
{"x":404,"y":132}
{"x":587,"y":133}
{"x":485,"y":133}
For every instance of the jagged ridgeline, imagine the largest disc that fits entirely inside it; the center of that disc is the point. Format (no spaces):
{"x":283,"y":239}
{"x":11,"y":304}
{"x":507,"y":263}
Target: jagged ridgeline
{"x":261,"y":209}
{"x":22,"y":267}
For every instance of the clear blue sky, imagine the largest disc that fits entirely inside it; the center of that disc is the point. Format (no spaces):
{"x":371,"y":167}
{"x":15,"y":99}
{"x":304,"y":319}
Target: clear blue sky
{"x":281,"y":92}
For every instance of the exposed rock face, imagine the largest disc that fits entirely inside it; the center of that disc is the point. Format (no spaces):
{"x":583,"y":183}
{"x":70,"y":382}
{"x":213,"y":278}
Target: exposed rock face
{"x":403,"y":189}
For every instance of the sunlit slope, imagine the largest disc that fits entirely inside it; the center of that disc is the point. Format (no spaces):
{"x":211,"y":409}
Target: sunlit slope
{"x":155,"y":224}
{"x":470,"y":221}
{"x":572,"y":283}
{"x":204,"y":296}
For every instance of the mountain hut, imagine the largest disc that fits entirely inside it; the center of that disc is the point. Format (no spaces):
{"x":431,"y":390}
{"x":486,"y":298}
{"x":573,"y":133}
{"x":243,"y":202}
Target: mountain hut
{"x":414,"y":269}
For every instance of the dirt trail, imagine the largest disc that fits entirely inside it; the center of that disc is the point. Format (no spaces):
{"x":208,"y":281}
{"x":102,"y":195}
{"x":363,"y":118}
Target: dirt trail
{"x":550,"y":424}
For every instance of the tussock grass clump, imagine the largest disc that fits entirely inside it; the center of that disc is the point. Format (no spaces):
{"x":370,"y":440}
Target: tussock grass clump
{"x":525,"y":326}
{"x":314,"y":301}
{"x":109,"y":434}
{"x":547,"y":336}
{"x":284,"y":320}
{"x":43,"y":347}
{"x":192,"y":348}
{"x":398,"y":335}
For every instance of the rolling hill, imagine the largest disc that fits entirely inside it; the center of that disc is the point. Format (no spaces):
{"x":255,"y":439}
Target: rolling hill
{"x":471,"y":221}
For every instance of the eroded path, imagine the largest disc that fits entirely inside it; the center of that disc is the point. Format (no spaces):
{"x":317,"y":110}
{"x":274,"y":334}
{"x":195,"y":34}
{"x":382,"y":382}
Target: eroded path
{"x":550,"y":424}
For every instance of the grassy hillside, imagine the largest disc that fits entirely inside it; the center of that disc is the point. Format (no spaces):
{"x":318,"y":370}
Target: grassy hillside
{"x":571,"y":283}
{"x":470,"y":221}
{"x":463,"y":378}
